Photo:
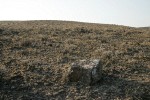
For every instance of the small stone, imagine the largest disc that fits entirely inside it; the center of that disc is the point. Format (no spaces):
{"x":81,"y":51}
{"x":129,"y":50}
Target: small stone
{"x":136,"y":72}
{"x":35,"y":84}
{"x":86,"y":71}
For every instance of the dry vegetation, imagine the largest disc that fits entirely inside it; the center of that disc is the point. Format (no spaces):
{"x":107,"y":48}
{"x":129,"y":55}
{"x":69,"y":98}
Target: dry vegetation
{"x":35,"y":55}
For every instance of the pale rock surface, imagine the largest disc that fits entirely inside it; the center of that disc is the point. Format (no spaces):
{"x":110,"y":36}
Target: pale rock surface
{"x":86,"y":71}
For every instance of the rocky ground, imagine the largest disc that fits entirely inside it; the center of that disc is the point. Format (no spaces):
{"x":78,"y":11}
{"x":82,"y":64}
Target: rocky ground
{"x":35,"y":55}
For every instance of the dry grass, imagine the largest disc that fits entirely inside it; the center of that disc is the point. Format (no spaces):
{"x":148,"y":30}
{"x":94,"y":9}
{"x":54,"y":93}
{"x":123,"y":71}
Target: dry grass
{"x":35,"y":55}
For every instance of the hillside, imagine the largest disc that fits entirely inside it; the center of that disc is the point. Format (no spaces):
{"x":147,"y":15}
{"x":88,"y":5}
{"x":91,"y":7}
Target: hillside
{"x":34,"y":56}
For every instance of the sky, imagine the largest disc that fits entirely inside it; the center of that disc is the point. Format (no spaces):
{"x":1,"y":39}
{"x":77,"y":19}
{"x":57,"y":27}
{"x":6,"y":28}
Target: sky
{"x":135,"y":13}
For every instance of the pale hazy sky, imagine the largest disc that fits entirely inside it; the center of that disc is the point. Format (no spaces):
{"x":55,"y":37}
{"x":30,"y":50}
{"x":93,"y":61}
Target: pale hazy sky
{"x":122,"y":12}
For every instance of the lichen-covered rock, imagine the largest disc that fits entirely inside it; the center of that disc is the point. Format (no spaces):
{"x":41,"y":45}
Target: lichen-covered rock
{"x":85,"y":71}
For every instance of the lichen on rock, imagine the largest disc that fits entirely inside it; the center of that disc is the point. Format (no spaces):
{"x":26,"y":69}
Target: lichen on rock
{"x":86,"y":71}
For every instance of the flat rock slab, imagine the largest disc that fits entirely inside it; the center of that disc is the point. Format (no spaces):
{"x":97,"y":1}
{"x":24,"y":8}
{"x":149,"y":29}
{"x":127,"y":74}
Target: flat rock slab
{"x":86,"y":71}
